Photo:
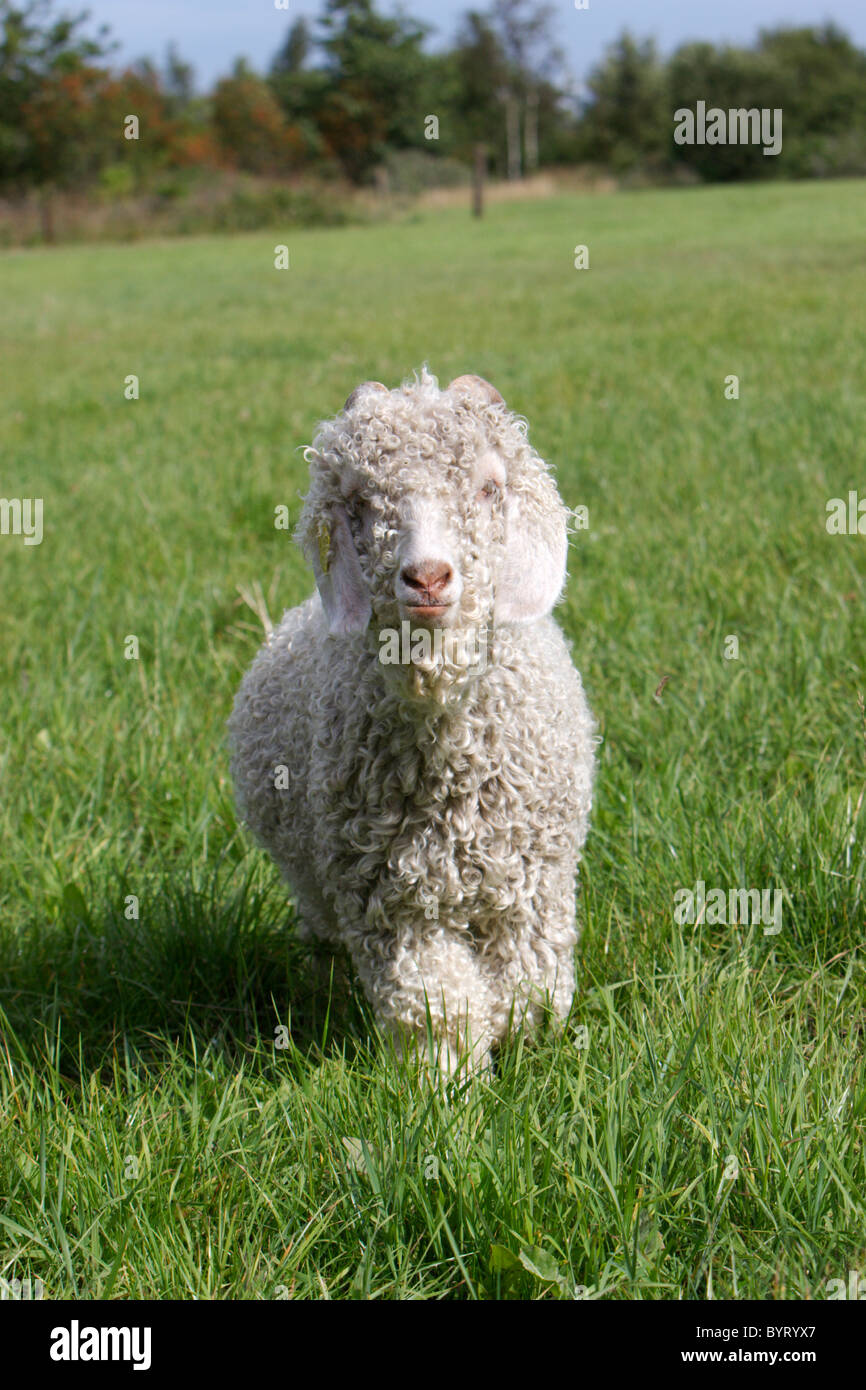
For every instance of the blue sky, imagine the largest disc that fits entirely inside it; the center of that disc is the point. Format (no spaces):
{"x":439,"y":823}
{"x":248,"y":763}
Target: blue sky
{"x":211,"y":33}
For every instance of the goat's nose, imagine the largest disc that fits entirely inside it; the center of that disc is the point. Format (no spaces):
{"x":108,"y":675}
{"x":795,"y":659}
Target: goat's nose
{"x":430,"y":579}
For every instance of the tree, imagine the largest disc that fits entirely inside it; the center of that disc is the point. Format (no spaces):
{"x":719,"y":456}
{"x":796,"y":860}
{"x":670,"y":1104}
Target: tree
{"x":825,"y":76}
{"x":824,"y":99}
{"x":629,"y":118}
{"x":378,"y":78}
{"x":725,"y":78}
{"x":50,"y":90}
{"x":480,"y":71}
{"x":250,"y":126}
{"x":170,"y":135}
{"x":299,"y":88}
{"x":524,"y":30}
{"x":178,"y":82}
{"x":292,"y":57}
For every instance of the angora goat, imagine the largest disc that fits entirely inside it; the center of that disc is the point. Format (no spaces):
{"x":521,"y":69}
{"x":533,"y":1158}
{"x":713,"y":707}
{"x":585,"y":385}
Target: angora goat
{"x":413,"y":745}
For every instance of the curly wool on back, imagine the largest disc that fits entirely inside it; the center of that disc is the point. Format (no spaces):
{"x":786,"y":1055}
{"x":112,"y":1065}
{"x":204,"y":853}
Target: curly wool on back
{"x":428,"y":813}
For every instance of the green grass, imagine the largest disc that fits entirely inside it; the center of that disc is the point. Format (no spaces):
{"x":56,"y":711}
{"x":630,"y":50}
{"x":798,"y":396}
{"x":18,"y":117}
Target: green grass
{"x":155,"y":1142}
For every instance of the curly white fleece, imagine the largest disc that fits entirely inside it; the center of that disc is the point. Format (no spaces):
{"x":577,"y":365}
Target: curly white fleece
{"x":431,"y":819}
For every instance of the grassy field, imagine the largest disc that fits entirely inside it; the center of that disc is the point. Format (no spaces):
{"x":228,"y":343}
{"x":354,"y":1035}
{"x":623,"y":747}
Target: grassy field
{"x":698,"y":1131}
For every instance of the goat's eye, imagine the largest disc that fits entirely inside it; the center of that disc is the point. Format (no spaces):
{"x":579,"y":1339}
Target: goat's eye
{"x":489,"y":490}
{"x":356,"y":512}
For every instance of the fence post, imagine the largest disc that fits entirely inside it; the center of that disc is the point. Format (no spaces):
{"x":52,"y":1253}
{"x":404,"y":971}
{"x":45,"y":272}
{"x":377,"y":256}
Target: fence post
{"x":478,"y":171}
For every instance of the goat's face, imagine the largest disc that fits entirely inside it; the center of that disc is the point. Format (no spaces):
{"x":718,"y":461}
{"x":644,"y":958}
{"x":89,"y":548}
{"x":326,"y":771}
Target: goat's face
{"x":430,"y":506}
{"x":429,"y":546}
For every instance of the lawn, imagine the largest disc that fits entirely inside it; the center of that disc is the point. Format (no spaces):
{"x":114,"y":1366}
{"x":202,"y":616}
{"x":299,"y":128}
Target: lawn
{"x":698,"y":1130}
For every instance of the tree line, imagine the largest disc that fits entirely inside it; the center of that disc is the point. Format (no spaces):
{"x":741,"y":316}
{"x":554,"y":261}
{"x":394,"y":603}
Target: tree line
{"x":358,"y":89}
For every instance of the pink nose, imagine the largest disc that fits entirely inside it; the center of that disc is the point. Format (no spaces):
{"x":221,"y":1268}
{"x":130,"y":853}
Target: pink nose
{"x":428,"y":582}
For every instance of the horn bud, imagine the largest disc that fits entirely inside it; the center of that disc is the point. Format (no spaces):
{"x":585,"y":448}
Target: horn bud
{"x":365,"y":386}
{"x":476,"y":386}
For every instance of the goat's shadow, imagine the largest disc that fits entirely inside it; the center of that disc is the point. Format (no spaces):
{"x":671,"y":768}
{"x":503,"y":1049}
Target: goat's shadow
{"x":196,"y":966}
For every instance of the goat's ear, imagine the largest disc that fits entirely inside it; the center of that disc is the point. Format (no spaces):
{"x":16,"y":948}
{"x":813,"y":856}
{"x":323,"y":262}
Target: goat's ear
{"x":339,"y":579}
{"x":533,"y":570}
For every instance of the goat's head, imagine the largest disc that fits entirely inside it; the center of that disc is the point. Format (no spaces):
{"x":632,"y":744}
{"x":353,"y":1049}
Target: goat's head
{"x":430,"y":506}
